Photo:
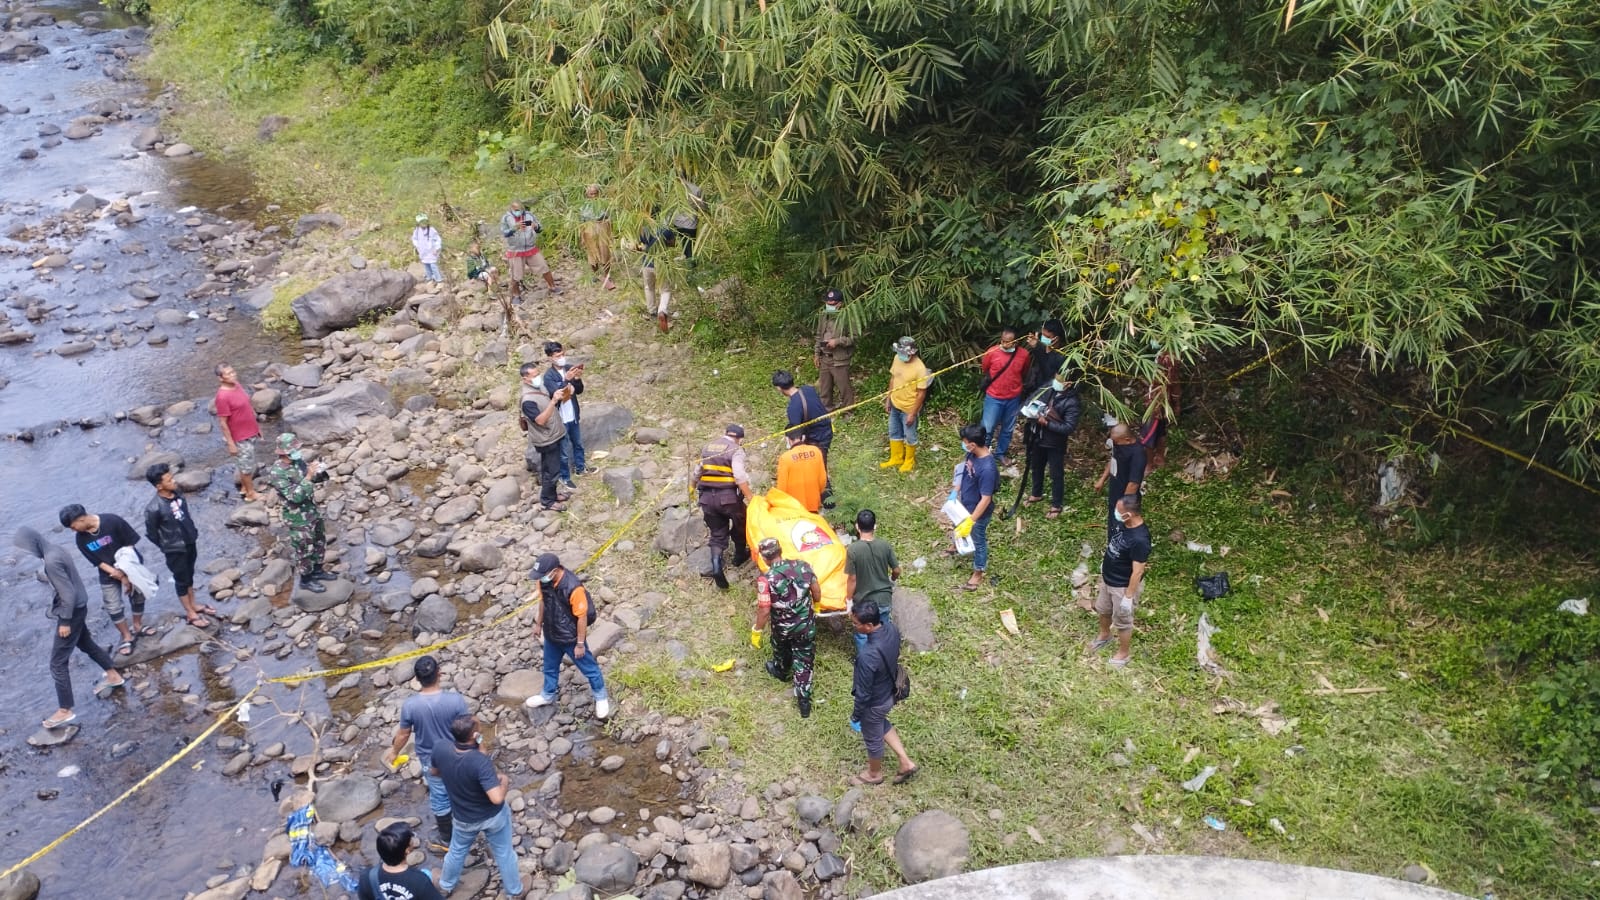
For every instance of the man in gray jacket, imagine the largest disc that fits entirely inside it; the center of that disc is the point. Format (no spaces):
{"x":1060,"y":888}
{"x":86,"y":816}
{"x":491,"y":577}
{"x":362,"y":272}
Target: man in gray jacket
{"x":70,"y":609}
{"x":521,"y":230}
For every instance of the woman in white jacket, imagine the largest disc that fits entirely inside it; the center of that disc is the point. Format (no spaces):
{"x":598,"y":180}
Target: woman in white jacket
{"x":426,"y":239}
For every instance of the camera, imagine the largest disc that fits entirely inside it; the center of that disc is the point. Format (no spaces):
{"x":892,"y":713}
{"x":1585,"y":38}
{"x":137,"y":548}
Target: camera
{"x":1033,"y":409}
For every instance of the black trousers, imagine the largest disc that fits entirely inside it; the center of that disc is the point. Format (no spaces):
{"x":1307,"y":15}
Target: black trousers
{"x":78,"y":637}
{"x":181,"y":565}
{"x":724,"y":515}
{"x":549,"y":472}
{"x":1038,"y":459}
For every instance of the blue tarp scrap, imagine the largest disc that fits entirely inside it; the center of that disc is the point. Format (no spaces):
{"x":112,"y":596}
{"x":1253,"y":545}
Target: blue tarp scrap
{"x":305,"y":851}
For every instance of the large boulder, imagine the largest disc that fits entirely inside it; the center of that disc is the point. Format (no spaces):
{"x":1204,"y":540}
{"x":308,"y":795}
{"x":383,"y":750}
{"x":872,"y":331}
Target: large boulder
{"x":932,"y":845}
{"x":347,"y":799}
{"x":681,"y":530}
{"x":436,"y":614}
{"x":343,"y":300}
{"x":610,"y":868}
{"x":332,"y":415}
{"x":519,"y":685}
{"x":481,"y":557}
{"x":22,"y":885}
{"x":334,"y":593}
{"x":708,"y":864}
{"x":604,"y":424}
{"x":456,"y":510}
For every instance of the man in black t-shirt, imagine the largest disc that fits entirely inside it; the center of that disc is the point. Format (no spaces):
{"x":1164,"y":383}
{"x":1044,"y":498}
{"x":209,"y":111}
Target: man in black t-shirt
{"x":392,"y":879}
{"x":477,"y":805}
{"x":1124,"y":472}
{"x":99,"y":538}
{"x":1121,"y":577}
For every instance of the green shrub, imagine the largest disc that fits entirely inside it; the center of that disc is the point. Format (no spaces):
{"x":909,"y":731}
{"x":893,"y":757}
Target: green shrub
{"x":1559,"y":728}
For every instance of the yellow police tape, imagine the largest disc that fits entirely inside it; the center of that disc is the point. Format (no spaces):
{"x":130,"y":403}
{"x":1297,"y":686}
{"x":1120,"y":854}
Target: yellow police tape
{"x":140,"y":784}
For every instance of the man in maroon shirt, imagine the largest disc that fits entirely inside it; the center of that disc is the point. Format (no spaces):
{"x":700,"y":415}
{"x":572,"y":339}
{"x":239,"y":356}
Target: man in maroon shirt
{"x":237,"y":419}
{"x":1004,"y":366}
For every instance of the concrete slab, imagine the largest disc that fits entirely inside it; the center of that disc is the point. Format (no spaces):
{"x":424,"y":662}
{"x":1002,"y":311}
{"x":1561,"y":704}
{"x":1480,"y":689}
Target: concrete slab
{"x":1165,"y":878}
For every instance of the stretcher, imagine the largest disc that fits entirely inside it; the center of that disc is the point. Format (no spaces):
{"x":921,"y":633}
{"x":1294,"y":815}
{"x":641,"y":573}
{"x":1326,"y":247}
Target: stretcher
{"x":803,"y":535}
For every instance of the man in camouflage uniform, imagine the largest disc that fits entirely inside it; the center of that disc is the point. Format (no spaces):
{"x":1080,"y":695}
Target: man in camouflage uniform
{"x":785,"y":594}
{"x":296,"y":481}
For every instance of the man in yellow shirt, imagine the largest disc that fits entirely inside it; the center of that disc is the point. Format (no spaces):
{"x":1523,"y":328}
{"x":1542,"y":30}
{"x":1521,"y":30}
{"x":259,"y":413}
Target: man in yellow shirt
{"x":802,"y":474}
{"x":909,"y":380}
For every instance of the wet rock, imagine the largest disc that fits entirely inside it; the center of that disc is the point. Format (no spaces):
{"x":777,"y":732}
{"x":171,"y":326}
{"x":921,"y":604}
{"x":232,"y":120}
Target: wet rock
{"x":812,"y":809}
{"x":456,"y":510}
{"x":602,"y":815}
{"x":436,"y":614}
{"x":176,"y":150}
{"x":178,"y":639}
{"x":22,"y":885}
{"x":52,"y":737}
{"x":348,"y":798}
{"x":334,"y":593}
{"x":481,"y":557}
{"x":232,"y":890}
{"x":145,"y":415}
{"x":154,"y":457}
{"x":250,"y":515}
{"x":394,"y":601}
{"x":171,"y":318}
{"x":237,"y":764}
{"x":14,"y":336}
{"x":78,"y":133}
{"x":931,"y":845}
{"x":707,"y":864}
{"x":680,"y":531}
{"x":265,"y":874}
{"x":306,"y":375}
{"x":604,"y":424}
{"x":74,"y":348}
{"x":146,"y":138}
{"x":343,"y":300}
{"x":332,"y":415}
{"x":143,"y":292}
{"x":610,"y":868}
{"x":28,"y":153}
{"x":266,"y":401}
{"x":391,"y":532}
{"x":86,"y":203}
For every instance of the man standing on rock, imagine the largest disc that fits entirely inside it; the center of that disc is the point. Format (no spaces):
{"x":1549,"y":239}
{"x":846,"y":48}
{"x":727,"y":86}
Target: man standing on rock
{"x":541,"y":419}
{"x":477,"y":806}
{"x":296,"y":481}
{"x":99,"y":538}
{"x":786,"y":595}
{"x":561,"y":622}
{"x":425,"y":717}
{"x":877,"y":667}
{"x":562,"y":373}
{"x":169,"y":525}
{"x":521,"y":230}
{"x":425,"y":238}
{"x":70,"y":609}
{"x":724,"y":489}
{"x":835,"y":346}
{"x":1121,"y":578}
{"x":236,"y":419}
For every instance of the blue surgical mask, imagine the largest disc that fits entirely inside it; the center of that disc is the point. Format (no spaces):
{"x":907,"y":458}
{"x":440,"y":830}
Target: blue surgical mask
{"x":829,"y":307}
{"x":1009,"y":349}
{"x":1059,"y":385}
{"x":1045,"y":340}
{"x":545,"y":578}
{"x":902,"y":357}
{"x":294,"y":455}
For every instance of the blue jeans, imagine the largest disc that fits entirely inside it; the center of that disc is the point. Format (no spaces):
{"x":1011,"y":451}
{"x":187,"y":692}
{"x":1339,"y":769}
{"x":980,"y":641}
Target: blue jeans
{"x":497,"y":831}
{"x":432,"y":270}
{"x":572,"y":452}
{"x":861,"y":639}
{"x":999,"y":418}
{"x":438,"y":797}
{"x":900,"y":429}
{"x":553,"y":653}
{"x":980,"y":544}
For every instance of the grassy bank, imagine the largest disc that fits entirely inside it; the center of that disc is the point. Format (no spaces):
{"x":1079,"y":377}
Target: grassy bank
{"x":1042,"y":751}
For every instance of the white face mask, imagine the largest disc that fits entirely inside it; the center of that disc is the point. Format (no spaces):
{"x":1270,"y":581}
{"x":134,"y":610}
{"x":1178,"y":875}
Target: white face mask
{"x":1058,"y":385}
{"x":1121,"y":516}
{"x":559,"y":361}
{"x":1110,"y":444}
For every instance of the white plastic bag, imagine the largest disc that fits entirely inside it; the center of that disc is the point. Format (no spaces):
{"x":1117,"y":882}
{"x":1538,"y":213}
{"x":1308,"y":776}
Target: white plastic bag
{"x":144,"y":581}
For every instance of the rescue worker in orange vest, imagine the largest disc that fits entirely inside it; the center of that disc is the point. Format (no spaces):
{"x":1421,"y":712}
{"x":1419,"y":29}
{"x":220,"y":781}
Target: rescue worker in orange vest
{"x":724,"y":487}
{"x":801,"y":472}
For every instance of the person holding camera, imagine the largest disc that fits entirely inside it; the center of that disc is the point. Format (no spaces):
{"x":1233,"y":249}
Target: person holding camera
{"x":1004,"y":367}
{"x":521,"y":230}
{"x":541,"y":419}
{"x":1052,"y":415}
{"x":565,"y":373}
{"x":295,"y":480}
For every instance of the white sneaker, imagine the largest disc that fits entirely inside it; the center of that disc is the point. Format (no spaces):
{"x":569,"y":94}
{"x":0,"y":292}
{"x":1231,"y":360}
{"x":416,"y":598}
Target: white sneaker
{"x":537,"y":700}
{"x":602,"y":708}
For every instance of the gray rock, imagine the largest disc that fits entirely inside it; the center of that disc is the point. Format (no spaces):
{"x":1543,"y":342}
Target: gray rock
{"x":931,"y":845}
{"x":22,"y":885}
{"x":610,"y":868}
{"x":78,"y":133}
{"x":650,"y":436}
{"x":332,"y":415}
{"x":175,"y":640}
{"x":781,"y":885}
{"x":266,"y":401}
{"x":176,"y":150}
{"x":436,"y":614}
{"x":604,"y":424}
{"x":143,"y":463}
{"x":502,"y":492}
{"x":602,"y":815}
{"x":497,"y":353}
{"x":171,"y":318}
{"x":603,"y":635}
{"x":558,"y":859}
{"x":347,"y":798}
{"x":147,"y":138}
{"x":16,"y":49}
{"x":343,"y":300}
{"x":334,"y":593}
{"x":844,"y":810}
{"x":192,"y":481}
{"x":623,"y":482}
{"x":312,"y":221}
{"x":250,"y":515}
{"x":812,"y":809}
{"x":435,"y":313}
{"x":305,"y":375}
{"x":393,"y":601}
{"x":681,"y":531}
{"x":74,"y":348}
{"x":435,"y":546}
{"x":52,"y":737}
{"x":456,"y":510}
{"x":230,"y":890}
{"x":708,"y":864}
{"x":741,"y":856}
{"x":86,"y":203}
{"x":391,"y":532}
{"x":481,"y":557}
{"x":519,"y":685}
{"x":576,"y":892}
{"x":828,"y":867}
{"x":424,"y":586}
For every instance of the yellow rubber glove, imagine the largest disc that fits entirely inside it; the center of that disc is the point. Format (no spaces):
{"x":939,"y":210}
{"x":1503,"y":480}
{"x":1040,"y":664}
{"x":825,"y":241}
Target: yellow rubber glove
{"x":755,"y":638}
{"x":964,"y":527}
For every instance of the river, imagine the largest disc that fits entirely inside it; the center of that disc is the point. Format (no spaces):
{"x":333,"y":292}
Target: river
{"x":61,"y":441}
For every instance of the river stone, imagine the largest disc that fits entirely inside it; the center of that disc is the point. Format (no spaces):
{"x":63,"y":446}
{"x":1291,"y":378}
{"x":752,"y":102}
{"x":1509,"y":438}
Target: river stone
{"x":179,"y":149}
{"x":345,"y":299}
{"x":78,"y":133}
{"x":334,"y":593}
{"x":609,"y":868}
{"x":931,"y":845}
{"x":623,"y":482}
{"x":680,"y":531}
{"x":497,"y":353}
{"x":435,"y":313}
{"x":828,"y":867}
{"x":232,"y":890}
{"x":74,"y":348}
{"x":394,"y":601}
{"x":481,"y":557}
{"x":266,"y":401}
{"x":249,"y":515}
{"x":434,"y":546}
{"x":22,"y":885}
{"x":274,"y":575}
{"x":348,"y":798}
{"x":86,"y":203}
{"x":456,"y":510}
{"x":147,"y":138}
{"x":305,"y":375}
{"x":143,"y":463}
{"x":179,"y":638}
{"x":192,"y":481}
{"x":520,"y":685}
{"x":52,"y":737}
{"x":312,"y":221}
{"x":332,"y":415}
{"x":602,"y":815}
{"x":812,"y":809}
{"x":143,"y":292}
{"x":781,"y":885}
{"x":171,"y":318}
{"x":604,"y":424}
{"x":391,"y":532}
{"x":650,"y":436}
{"x":603,"y":635}
{"x":503,"y":492}
{"x":707,"y":864}
{"x":436,"y":614}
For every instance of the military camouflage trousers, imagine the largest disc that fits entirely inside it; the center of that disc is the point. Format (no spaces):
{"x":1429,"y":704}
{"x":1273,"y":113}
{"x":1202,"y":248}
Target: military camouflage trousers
{"x":794,"y":652}
{"x":308,"y":542}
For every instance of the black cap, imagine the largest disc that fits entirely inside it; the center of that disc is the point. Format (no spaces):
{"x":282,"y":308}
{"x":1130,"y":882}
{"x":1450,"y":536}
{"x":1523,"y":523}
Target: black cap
{"x":546,"y":564}
{"x":833,"y":295}
{"x":734,"y":431}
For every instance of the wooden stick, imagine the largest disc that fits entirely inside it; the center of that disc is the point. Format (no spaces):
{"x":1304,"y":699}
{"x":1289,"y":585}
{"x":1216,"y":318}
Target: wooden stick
{"x":1360,"y":690}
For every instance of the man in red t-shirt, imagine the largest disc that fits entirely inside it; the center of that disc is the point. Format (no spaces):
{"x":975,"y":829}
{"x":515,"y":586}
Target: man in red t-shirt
{"x":237,"y":419}
{"x":1004,"y":366}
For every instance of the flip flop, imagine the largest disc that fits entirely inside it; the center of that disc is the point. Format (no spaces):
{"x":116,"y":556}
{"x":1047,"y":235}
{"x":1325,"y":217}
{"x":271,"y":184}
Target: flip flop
{"x":125,"y":648}
{"x":907,"y":775}
{"x":1098,"y":644}
{"x":860,"y":781}
{"x":1032,"y":500}
{"x":147,"y":631}
{"x":208,"y":610}
{"x":1119,"y":663}
{"x":1054,"y":513}
{"x":199,"y":621}
{"x":53,"y":723}
{"x":106,"y":687}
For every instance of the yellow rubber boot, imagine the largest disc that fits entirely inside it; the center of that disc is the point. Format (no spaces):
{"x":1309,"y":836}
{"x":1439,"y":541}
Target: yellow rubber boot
{"x":897,"y":454}
{"x":911,"y":458}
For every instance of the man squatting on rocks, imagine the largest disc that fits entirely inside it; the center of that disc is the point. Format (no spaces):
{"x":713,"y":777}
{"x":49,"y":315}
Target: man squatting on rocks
{"x":786,"y":595}
{"x":170,"y":526}
{"x":70,"y":608}
{"x":541,"y":419}
{"x":425,"y":719}
{"x":99,"y":537}
{"x":477,"y":806}
{"x":561,"y":621}
{"x":236,"y":419}
{"x":724,"y":489}
{"x":296,"y":482}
